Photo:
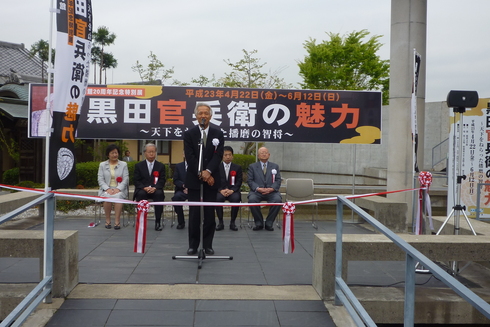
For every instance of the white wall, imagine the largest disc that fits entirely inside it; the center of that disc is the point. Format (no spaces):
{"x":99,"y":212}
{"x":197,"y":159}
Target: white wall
{"x":338,"y":158}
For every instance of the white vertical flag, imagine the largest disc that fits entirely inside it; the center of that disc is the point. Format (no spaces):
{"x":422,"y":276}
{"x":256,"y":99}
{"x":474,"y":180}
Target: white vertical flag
{"x":71,"y":70}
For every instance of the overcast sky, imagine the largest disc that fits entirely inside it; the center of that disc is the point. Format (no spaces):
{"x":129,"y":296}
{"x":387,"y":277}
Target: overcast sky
{"x":195,"y":36}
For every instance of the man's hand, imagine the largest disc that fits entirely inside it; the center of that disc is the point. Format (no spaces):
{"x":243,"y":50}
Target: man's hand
{"x":210,"y":180}
{"x":265,"y":190}
{"x":149,"y":189}
{"x":205,"y":175}
{"x":226,"y":192}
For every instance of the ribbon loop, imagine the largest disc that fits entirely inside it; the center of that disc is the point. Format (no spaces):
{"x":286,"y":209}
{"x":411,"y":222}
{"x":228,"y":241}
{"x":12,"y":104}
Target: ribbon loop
{"x":425,"y":179}
{"x":288,"y":208}
{"x":143,"y":205}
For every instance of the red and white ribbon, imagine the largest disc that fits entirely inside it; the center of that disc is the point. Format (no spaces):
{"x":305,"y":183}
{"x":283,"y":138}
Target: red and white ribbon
{"x":232,"y":177}
{"x":140,"y":230}
{"x":288,"y":227}
{"x":155,"y":175}
{"x":425,"y":179}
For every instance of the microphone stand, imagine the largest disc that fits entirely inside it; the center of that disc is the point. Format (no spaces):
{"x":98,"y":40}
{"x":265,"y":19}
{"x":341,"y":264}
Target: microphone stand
{"x":201,"y":254}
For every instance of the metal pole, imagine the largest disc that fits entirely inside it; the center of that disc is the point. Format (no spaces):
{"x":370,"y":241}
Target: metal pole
{"x":49,"y":207}
{"x":409,"y":307}
{"x":354,"y":154}
{"x":338,"y":247}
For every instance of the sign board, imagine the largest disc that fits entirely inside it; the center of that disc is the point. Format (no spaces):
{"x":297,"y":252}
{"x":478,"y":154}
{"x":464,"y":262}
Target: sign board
{"x":272,"y":115}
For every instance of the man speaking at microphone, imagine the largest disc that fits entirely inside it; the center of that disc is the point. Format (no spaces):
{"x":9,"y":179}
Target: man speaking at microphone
{"x":207,"y":176}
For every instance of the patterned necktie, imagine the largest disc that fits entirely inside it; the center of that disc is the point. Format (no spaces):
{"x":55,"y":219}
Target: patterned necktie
{"x":204,"y":138}
{"x":264,"y":169}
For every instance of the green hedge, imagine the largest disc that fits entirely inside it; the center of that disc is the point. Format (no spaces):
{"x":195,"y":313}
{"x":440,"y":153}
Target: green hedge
{"x":87,"y":173}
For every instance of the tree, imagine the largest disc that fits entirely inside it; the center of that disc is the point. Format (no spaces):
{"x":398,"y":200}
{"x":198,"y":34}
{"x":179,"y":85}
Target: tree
{"x":41,"y":49}
{"x":155,"y":73}
{"x":101,"y":38}
{"x":345,"y":63}
{"x":247,"y":72}
{"x":108,"y":62}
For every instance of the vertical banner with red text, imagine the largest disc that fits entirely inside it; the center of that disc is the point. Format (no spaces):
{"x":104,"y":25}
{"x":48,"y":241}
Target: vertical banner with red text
{"x":71,"y":70}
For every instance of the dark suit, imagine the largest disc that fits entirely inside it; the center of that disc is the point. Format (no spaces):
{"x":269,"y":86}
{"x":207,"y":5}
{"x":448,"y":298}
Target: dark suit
{"x":142,"y":179}
{"x":225,"y":183}
{"x":256,"y":179}
{"x":179,"y":195}
{"x":211,"y":159}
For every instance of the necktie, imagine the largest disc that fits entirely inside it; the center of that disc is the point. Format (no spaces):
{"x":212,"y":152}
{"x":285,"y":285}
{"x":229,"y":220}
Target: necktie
{"x":150,"y":167}
{"x":204,"y":138}
{"x":264,"y":169}
{"x":227,"y":170}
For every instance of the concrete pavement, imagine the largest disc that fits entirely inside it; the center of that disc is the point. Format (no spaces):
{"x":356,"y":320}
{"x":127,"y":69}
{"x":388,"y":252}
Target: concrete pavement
{"x":261,"y":286}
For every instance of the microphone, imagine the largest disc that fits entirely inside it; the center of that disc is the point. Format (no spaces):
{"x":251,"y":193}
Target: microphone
{"x":203,"y":121}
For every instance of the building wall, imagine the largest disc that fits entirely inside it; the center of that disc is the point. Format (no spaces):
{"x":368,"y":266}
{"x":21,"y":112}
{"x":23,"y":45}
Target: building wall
{"x":339,"y":158}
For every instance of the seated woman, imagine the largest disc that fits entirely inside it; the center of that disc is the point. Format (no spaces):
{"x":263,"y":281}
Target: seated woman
{"x":113,"y":178}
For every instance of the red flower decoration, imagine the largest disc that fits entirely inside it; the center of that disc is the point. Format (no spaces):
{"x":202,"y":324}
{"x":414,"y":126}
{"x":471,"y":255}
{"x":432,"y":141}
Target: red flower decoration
{"x":233,"y":173}
{"x":156,"y":174}
{"x":119,"y":179}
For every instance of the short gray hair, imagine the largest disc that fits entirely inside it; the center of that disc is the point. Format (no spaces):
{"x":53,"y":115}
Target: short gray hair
{"x":203,"y":104}
{"x":149,"y":144}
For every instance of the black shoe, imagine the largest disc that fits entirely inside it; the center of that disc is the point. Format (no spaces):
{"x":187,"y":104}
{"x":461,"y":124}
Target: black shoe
{"x":269,"y":228}
{"x":257,"y":228}
{"x":191,"y":251}
{"x":209,"y":251}
{"x":180,"y":226}
{"x":158,"y":227}
{"x":233,"y":227}
{"x":220,"y":226}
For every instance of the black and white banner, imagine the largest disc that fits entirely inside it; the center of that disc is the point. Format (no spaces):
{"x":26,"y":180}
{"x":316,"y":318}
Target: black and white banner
{"x":415,"y":132}
{"x":250,"y":115}
{"x":71,"y":70}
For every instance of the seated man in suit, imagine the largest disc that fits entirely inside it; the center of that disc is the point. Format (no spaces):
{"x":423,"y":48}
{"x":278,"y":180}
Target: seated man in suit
{"x":264,"y":180}
{"x":180,"y":192}
{"x":229,"y":189}
{"x":149,"y":181}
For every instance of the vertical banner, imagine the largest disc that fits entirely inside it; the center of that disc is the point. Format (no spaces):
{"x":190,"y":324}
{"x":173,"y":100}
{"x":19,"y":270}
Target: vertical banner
{"x":71,"y":70}
{"x":415,"y":132}
{"x":475,"y":160}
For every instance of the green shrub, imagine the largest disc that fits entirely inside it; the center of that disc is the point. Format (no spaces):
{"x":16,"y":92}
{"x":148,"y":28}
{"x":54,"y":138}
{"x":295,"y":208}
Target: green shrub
{"x":11,"y":176}
{"x":87,"y":173}
{"x":30,"y":184}
{"x":70,"y":205}
{"x":244,"y":160}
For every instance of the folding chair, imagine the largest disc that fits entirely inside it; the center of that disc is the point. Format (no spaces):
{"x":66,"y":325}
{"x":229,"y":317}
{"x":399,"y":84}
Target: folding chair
{"x":300,"y":189}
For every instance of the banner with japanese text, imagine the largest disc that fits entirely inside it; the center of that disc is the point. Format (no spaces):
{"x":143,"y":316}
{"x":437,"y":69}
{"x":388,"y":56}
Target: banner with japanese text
{"x":475,"y":160}
{"x":272,"y":115}
{"x":413,"y":106}
{"x":71,"y":70}
{"x":165,"y":112}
